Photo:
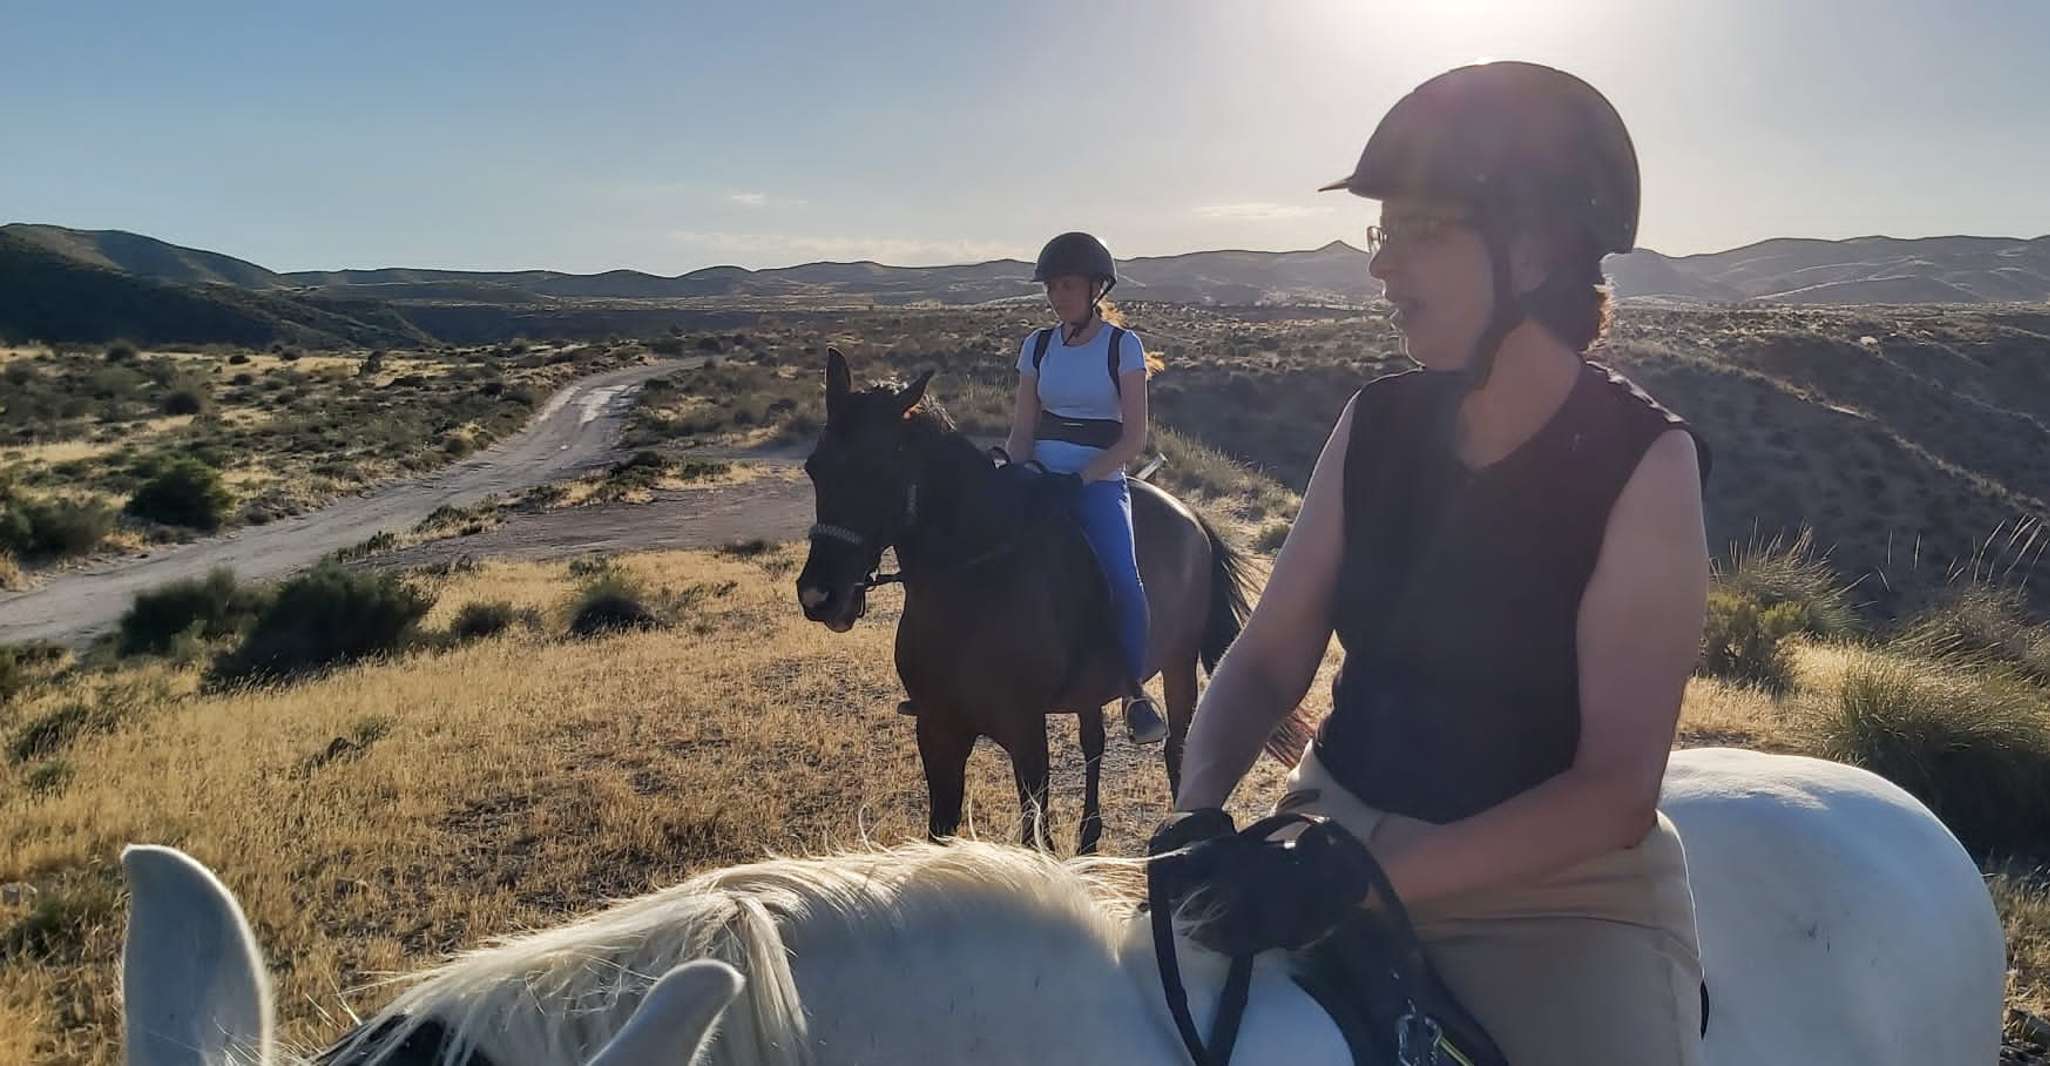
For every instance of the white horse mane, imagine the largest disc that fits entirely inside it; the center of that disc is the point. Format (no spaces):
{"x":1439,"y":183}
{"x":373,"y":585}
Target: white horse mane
{"x":558,"y":994}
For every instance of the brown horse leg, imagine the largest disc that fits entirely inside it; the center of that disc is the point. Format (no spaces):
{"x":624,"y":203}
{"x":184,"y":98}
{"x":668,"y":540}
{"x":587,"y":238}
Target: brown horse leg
{"x":1178,"y":682}
{"x":943,"y":747}
{"x":1090,"y":725}
{"x":1029,"y":766}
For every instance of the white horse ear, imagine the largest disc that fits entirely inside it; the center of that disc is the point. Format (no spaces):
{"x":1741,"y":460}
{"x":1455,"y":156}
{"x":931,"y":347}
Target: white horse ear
{"x":193,"y":986}
{"x":677,"y":1017}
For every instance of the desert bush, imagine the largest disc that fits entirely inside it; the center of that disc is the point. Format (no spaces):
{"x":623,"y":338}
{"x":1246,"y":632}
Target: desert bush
{"x":1745,"y":642}
{"x":210,"y":608}
{"x":53,"y":528}
{"x":609,"y":602}
{"x":327,"y":616}
{"x":185,"y":493}
{"x":186,"y":400}
{"x":1973,"y":746}
{"x":1980,"y":624}
{"x":477,"y":621}
{"x":121,"y":352}
{"x":1781,"y":571}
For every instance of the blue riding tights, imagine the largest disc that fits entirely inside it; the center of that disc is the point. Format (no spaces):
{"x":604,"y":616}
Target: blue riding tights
{"x":1105,"y":511}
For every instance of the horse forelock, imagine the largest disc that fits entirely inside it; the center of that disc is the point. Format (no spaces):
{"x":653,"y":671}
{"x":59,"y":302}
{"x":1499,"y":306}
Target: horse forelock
{"x":557,"y":995}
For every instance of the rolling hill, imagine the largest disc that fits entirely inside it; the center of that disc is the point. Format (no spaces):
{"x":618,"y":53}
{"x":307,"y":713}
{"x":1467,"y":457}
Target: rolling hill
{"x":93,"y":284}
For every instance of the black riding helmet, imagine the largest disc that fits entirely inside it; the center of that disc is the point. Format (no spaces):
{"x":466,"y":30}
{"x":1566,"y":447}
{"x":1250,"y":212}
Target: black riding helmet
{"x":1517,"y":142}
{"x":1077,"y":253}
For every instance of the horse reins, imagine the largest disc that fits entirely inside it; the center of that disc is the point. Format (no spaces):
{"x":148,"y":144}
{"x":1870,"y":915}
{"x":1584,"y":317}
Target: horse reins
{"x":1238,"y":982}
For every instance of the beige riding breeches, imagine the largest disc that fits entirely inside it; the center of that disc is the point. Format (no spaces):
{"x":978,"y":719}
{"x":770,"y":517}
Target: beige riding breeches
{"x":1596,"y":965}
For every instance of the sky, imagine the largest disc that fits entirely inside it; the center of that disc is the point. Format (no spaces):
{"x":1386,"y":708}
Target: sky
{"x":670,"y":136}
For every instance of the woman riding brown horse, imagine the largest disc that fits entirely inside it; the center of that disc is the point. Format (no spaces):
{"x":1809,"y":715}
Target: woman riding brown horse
{"x":1005,"y":611}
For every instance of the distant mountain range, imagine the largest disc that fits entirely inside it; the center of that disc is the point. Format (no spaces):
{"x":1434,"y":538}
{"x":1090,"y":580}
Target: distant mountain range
{"x":58,"y":283}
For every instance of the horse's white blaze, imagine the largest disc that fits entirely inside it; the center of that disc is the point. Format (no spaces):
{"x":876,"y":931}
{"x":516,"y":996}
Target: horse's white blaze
{"x":193,"y":987}
{"x":1839,"y":921}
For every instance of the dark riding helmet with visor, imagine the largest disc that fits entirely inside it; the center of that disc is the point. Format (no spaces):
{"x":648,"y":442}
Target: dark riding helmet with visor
{"x":1080,"y":254}
{"x":1519,"y":144}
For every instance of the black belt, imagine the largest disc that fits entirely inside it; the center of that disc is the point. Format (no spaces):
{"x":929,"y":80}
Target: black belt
{"x":1088,"y":432}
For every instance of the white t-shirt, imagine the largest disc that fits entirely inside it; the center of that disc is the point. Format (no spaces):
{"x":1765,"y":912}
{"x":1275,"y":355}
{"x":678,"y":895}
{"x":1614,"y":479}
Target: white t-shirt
{"x":1075,"y":382}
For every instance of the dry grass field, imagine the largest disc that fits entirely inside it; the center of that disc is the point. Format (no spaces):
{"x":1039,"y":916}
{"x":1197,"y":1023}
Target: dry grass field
{"x":379,"y":816}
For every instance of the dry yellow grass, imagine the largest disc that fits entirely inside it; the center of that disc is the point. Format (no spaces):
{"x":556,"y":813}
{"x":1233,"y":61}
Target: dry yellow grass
{"x":508,"y":784}
{"x":525,"y":778}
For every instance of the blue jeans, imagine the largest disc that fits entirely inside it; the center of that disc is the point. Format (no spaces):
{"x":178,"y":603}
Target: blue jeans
{"x":1105,"y":511}
{"x":1104,"y":508}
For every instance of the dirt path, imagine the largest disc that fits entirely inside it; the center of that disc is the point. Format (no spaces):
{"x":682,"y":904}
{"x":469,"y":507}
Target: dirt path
{"x":776,"y":506}
{"x":576,"y":430}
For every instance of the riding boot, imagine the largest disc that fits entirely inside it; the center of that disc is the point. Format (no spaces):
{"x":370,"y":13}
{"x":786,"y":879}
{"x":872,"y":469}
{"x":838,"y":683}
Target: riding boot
{"x":1142,"y":720}
{"x":907,"y":707}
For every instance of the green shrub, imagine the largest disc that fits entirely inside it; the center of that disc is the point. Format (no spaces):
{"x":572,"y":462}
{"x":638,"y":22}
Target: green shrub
{"x":50,"y":528}
{"x":1745,"y":642}
{"x":121,"y":352}
{"x":477,"y":621}
{"x":1780,"y":571}
{"x":1983,"y":625}
{"x":186,"y":400}
{"x":238,"y":359}
{"x":211,"y":607}
{"x":610,"y":602}
{"x":186,"y":493}
{"x":1973,"y":746}
{"x":327,"y":616}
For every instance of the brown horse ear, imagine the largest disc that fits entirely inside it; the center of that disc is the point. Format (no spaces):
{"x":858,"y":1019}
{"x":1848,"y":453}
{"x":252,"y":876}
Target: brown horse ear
{"x":839,"y":383}
{"x":914,"y":392}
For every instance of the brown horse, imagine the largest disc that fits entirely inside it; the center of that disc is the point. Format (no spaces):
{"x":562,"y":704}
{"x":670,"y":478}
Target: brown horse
{"x":1006,"y":615}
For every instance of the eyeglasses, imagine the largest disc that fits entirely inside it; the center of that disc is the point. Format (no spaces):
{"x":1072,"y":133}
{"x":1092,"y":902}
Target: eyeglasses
{"x":1411,"y":229}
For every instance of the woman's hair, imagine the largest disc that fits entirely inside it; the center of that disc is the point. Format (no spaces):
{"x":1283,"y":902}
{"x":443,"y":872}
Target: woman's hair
{"x":1574,"y":301}
{"x":1110,"y":313}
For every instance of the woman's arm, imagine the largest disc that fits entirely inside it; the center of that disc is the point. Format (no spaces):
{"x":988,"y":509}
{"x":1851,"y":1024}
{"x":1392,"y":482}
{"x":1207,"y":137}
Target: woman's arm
{"x":1132,"y":440}
{"x":1024,"y":419}
{"x":1269,"y":668}
{"x":1639,"y":635}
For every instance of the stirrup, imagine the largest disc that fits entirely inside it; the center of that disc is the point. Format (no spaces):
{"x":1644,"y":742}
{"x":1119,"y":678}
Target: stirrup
{"x":1143,"y":723}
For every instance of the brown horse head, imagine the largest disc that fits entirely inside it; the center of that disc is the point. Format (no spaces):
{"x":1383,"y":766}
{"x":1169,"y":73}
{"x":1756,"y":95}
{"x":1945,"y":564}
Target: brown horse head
{"x":862,"y":482}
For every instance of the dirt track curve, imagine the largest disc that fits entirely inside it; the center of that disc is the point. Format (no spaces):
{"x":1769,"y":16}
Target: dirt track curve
{"x":576,"y":430}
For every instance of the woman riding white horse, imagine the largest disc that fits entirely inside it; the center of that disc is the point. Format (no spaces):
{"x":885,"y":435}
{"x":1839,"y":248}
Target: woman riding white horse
{"x":1507,"y":761}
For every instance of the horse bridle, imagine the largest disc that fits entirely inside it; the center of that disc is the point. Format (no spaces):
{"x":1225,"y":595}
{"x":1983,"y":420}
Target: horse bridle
{"x":875,"y":579}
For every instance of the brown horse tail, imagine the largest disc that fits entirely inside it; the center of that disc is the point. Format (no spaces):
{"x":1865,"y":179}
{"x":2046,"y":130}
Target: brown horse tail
{"x":1231,"y":586}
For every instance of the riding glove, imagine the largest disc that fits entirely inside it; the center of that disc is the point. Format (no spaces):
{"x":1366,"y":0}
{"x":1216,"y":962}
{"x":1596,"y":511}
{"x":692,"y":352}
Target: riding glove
{"x":1263,"y":894}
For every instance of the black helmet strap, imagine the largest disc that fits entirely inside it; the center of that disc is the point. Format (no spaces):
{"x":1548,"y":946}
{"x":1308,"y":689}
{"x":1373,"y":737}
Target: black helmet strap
{"x":1507,"y":311}
{"x":1071,"y":330}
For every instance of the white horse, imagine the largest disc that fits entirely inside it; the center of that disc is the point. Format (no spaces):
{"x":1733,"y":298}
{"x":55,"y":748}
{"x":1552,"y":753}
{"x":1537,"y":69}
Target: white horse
{"x":1839,"y":922}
